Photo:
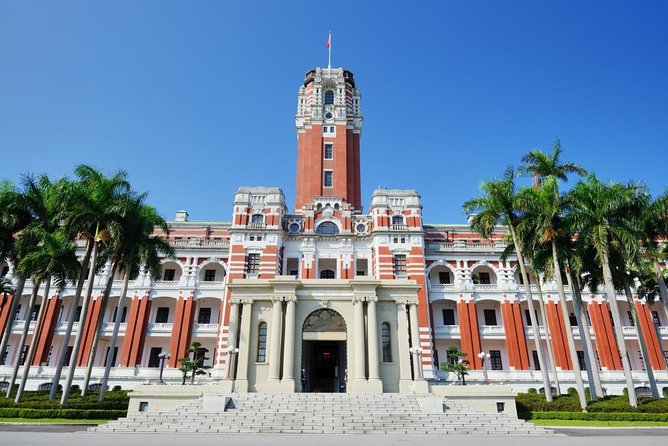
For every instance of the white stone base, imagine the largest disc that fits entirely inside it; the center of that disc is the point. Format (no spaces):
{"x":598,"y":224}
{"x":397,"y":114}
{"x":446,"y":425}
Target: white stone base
{"x":410,"y":386}
{"x":365,"y":386}
{"x":483,"y":398}
{"x":282,"y":386}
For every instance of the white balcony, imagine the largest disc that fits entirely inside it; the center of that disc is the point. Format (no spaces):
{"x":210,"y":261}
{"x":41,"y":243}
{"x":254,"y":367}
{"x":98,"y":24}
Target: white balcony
{"x":442,"y":286}
{"x":463,"y":245}
{"x":447,"y":332}
{"x":492,"y":331}
{"x":541,"y":330}
{"x":108,"y":329}
{"x":196,"y":243}
{"x":212,"y":284}
{"x":159,"y":328}
{"x":62,"y":327}
{"x":205,"y":330}
{"x":399,"y":227}
{"x":166,"y":284}
{"x":20,"y":323}
{"x":486,"y":287}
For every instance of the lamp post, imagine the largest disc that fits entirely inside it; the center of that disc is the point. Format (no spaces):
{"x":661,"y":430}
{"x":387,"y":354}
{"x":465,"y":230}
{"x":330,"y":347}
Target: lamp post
{"x":231,"y":351}
{"x":418,"y":351}
{"x":163,"y":357}
{"x":484,"y":357}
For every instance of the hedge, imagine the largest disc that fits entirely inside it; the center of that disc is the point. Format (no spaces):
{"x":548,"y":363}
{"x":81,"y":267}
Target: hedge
{"x":70,"y":414}
{"x":594,"y":416}
{"x":527,"y":402}
{"x":40,"y":400}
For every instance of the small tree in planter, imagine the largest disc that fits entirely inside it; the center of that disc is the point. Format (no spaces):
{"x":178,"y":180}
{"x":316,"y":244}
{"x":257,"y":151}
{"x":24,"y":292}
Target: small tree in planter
{"x":456,"y":364}
{"x":195,"y":365}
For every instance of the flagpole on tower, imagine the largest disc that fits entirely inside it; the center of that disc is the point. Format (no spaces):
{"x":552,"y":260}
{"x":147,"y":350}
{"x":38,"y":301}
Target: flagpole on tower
{"x":329,"y":51}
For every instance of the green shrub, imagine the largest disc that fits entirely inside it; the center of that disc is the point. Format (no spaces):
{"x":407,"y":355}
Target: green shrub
{"x":116,"y":389}
{"x":532,"y":391}
{"x":665,"y":392}
{"x":40,"y":400}
{"x":571,"y":391}
{"x":62,"y":413}
{"x":595,"y":416}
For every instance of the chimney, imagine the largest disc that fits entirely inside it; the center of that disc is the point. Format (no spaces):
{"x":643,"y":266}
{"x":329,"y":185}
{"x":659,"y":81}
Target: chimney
{"x":181,"y":216}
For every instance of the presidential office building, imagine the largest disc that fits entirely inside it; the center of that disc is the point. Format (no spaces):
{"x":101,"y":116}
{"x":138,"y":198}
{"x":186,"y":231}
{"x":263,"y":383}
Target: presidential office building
{"x":330,"y":296}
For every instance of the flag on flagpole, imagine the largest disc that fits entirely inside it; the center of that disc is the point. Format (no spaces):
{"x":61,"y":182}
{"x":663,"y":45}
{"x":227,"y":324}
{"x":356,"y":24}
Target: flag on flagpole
{"x":329,"y":41}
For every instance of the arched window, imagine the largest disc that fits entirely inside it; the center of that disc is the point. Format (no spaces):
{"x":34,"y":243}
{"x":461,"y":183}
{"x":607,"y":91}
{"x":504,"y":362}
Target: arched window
{"x":386,"y":340}
{"x":329,"y":97}
{"x":327,"y":274}
{"x":397,"y":220}
{"x":327,"y":228}
{"x":257,"y":218}
{"x":262,"y":342}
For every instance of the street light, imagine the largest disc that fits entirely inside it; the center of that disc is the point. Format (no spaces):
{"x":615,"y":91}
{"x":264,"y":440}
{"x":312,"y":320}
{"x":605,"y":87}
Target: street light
{"x":231,"y":351}
{"x":163,"y":356}
{"x":418,"y":351}
{"x":483,"y":357}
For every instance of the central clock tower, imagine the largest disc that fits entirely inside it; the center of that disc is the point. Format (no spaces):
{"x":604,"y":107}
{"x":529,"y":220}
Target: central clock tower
{"x":329,"y":125}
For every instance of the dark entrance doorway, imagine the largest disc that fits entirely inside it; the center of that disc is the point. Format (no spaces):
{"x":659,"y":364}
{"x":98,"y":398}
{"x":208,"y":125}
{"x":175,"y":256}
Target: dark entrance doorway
{"x":324,"y":352}
{"x":324,"y":366}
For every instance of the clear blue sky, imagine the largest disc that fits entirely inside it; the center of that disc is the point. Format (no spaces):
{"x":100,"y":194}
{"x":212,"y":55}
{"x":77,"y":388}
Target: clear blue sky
{"x":195,"y":99}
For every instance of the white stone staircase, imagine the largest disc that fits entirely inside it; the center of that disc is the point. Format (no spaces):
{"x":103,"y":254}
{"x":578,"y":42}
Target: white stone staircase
{"x":326,"y":413}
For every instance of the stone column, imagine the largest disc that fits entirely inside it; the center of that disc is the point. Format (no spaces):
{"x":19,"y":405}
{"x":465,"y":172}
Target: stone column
{"x":275,"y":340}
{"x":244,"y":346}
{"x":232,"y":336}
{"x":289,"y":347}
{"x":358,"y":323}
{"x":372,"y":320}
{"x":415,"y":339}
{"x":404,"y":356}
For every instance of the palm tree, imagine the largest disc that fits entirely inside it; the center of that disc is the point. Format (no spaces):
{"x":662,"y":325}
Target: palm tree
{"x":135,"y":246}
{"x":6,"y":290}
{"x":92,"y":204}
{"x":498,"y":205}
{"x":599,"y":215}
{"x":655,"y":228}
{"x":53,"y":260}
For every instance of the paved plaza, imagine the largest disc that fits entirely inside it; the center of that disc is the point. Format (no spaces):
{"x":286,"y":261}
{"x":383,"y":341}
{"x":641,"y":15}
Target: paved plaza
{"x":19,"y":435}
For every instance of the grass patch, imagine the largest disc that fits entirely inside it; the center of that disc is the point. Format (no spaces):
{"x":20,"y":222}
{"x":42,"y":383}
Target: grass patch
{"x":51,"y":421}
{"x":588,"y":423}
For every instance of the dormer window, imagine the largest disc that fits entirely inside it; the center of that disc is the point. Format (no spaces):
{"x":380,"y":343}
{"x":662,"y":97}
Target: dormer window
{"x":329,"y":97}
{"x":327,"y":228}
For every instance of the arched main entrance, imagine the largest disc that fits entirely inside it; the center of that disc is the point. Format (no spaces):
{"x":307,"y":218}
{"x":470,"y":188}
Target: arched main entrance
{"x":324,"y":352}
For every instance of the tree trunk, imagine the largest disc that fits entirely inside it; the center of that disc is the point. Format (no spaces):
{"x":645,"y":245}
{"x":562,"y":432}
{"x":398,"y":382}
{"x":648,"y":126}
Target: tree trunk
{"x":641,"y":342}
{"x":82,"y":323}
{"x":569,"y":332}
{"x":98,"y":331}
{"x":12,"y":315}
{"x":70,"y":322}
{"x":550,"y":352}
{"x":24,"y":335}
{"x":619,"y":334}
{"x":593,"y":377}
{"x":35,"y":338}
{"x":114,"y":336}
{"x":532,"y":315}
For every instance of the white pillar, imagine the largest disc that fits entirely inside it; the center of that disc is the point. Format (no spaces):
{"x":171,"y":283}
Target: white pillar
{"x":404,"y":356}
{"x":289,"y":347}
{"x":358,"y":323}
{"x":244,"y":346}
{"x":415,"y":339}
{"x":275,"y":339}
{"x":372,"y":319}
{"x":232,"y":334}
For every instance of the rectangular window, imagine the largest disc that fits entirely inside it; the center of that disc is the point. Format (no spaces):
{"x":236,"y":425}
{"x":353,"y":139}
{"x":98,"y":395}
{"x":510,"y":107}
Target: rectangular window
{"x":536,"y":362}
{"x":484,"y":279}
{"x":209,"y":275}
{"x":329,"y":178}
{"x":490,"y":317}
{"x":168,"y":275}
{"x":573,"y":320}
{"x":386,"y":338}
{"x":655,"y":318}
{"x":18,"y":313}
{"x":399,"y":265}
{"x":154,"y":357}
{"x":443,"y":277}
{"x":204,"y":316}
{"x":262,"y":342}
{"x":68,"y":356}
{"x":123,"y":314}
{"x":77,"y":317}
{"x":641,"y":360}
{"x":581,"y":360}
{"x":113,"y":359}
{"x":24,"y":352}
{"x":527,"y":316}
{"x":495,"y":360}
{"x":253,"y":264}
{"x":361,"y":267}
{"x":665,"y":358}
{"x":631,"y":321}
{"x":35,"y":312}
{"x":448,"y":316}
{"x":329,"y":151}
{"x":3,"y":360}
{"x":162,"y":315}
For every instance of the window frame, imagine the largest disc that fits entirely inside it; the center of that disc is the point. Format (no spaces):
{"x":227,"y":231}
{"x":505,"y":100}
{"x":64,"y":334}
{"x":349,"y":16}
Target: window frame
{"x":400,"y":265}
{"x":261,"y":354}
{"x":328,"y":146}
{"x":328,"y":174}
{"x":386,"y":341}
